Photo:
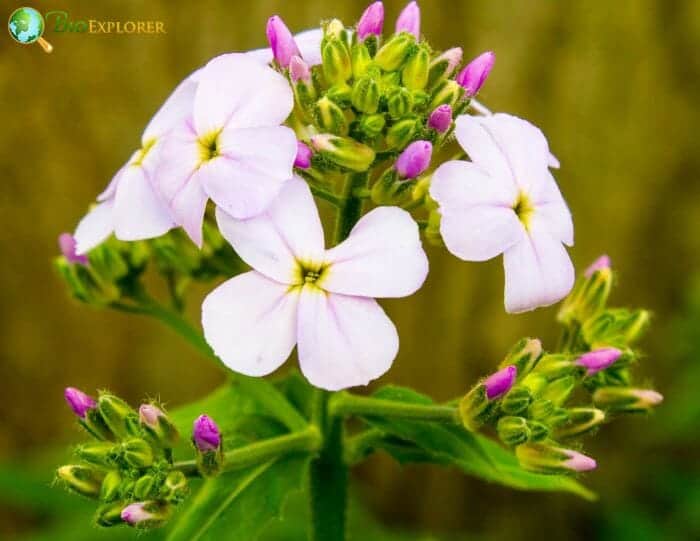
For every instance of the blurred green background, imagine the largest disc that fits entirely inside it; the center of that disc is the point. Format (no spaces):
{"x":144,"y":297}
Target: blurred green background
{"x":614,"y":86}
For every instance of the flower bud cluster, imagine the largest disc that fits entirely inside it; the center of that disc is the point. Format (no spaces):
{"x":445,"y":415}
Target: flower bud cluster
{"x":128,"y":465}
{"x":537,"y":401}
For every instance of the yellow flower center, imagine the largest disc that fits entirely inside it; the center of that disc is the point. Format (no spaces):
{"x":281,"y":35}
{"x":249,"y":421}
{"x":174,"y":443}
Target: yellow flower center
{"x":524,"y":209}
{"x":308,"y":272}
{"x":209,"y":146}
{"x":143,"y":151}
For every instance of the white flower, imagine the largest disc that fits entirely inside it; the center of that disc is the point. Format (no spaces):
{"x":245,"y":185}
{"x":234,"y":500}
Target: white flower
{"x":505,"y":201}
{"x":130,"y":205}
{"x":321,"y":300}
{"x":233,"y":148}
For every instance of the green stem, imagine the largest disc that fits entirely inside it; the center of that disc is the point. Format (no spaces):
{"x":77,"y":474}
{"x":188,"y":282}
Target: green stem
{"x":344,"y":404}
{"x":359,"y":446}
{"x":351,"y":209}
{"x":326,"y":196}
{"x":306,"y":440}
{"x":411,"y":205}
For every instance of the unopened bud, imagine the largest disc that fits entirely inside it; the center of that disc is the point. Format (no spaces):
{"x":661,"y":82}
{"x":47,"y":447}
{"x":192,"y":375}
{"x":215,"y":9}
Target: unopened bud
{"x":175,"y":487}
{"x":360,"y":58}
{"x":335,"y":29}
{"x":111,"y":486}
{"x":143,"y":487}
{"x":402,"y":132}
{"x":590,"y":293}
{"x":337,"y":66}
{"x":581,"y":421}
{"x":99,"y":453}
{"x":137,"y":453}
{"x":67,"y":245}
{"x":513,"y":430}
{"x":415,"y":73}
{"x":109,"y":514}
{"x":535,"y":382}
{"x":516,"y":400}
{"x":84,"y":480}
{"x":79,"y":402}
{"x":399,"y":102}
{"x":343,"y":152}
{"x":146,"y":515}
{"x":281,"y":41}
{"x":395,"y":51}
{"x":365,"y":95}
{"x":558,"y":365}
{"x":499,"y":383}
{"x":414,"y":160}
{"x":158,"y":426}
{"x":440,"y":119}
{"x":372,"y":125}
{"x":303,"y":157}
{"x":541,"y":409}
{"x":299,"y":70}
{"x":329,"y":117}
{"x":543,"y":458}
{"x":558,"y":391}
{"x":121,"y":419}
{"x":444,"y":66}
{"x":473,"y":76}
{"x":538,"y":431}
{"x":206,"y":437}
{"x":446,"y":93}
{"x":602,"y":263}
{"x":371,"y":22}
{"x":616,"y":327}
{"x":524,"y":355}
{"x":409,"y":20}
{"x":475,"y":408}
{"x":623,"y":399}
{"x":599,"y":359}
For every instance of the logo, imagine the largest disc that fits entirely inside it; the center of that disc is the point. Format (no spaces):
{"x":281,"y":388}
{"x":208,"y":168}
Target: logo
{"x":26,"y":26}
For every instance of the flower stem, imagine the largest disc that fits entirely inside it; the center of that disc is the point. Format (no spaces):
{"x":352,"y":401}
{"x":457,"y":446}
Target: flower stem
{"x":326,"y":196}
{"x":344,"y":404}
{"x":306,"y":440}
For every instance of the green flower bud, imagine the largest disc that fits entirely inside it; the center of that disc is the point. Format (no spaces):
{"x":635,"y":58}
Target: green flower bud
{"x":337,"y":66}
{"x":588,"y":297}
{"x":581,"y":421}
{"x":541,"y":409}
{"x":558,"y":391}
{"x":524,"y":355}
{"x":329,"y":117}
{"x":538,"y":431}
{"x":475,"y":408}
{"x":111,"y":486}
{"x":372,"y":125}
{"x":388,"y":189}
{"x":137,"y":453}
{"x":84,"y":480}
{"x":623,"y":399}
{"x":99,"y":453}
{"x":95,"y":425}
{"x":402,"y":132}
{"x":85,"y":284}
{"x":109,"y":514}
{"x":415,"y":73}
{"x":121,"y":419}
{"x":334,"y":29}
{"x":447,"y":92}
{"x":543,"y":458}
{"x":616,"y":327}
{"x":144,"y":486}
{"x":158,"y":426}
{"x":395,"y":51}
{"x":558,"y":365}
{"x":365,"y":95}
{"x":360,"y":59}
{"x":399,"y":102}
{"x":146,"y":515}
{"x":343,"y":152}
{"x":341,"y":95}
{"x":535,"y":383}
{"x":559,"y":417}
{"x":108,"y":261}
{"x":513,"y":430}
{"x":444,"y":66}
{"x":516,"y":400}
{"x":432,"y":230}
{"x":420,"y":99}
{"x":175,"y":487}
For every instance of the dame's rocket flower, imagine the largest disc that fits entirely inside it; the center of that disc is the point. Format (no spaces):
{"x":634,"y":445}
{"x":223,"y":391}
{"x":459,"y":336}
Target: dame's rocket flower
{"x":505,"y":201}
{"x":409,"y":20}
{"x":321,"y":300}
{"x":371,"y":22}
{"x":307,"y":42}
{"x":130,"y":207}
{"x":233,"y":149}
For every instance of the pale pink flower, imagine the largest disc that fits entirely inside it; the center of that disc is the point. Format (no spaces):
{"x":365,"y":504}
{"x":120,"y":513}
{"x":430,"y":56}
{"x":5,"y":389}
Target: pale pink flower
{"x":233,"y":149}
{"x":130,"y":207}
{"x":321,"y":300}
{"x":308,"y":42}
{"x":505,"y":201}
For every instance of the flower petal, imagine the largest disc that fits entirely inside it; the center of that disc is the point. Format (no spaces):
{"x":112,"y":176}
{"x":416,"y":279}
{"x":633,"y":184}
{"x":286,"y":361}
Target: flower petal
{"x":273,"y":242}
{"x":188,"y":207}
{"x":179,"y":159}
{"x":237,"y":90}
{"x":382,"y":257}
{"x":538,"y":272}
{"x":177,"y":107}
{"x":139,"y":213}
{"x":95,"y":227}
{"x":481,"y":147}
{"x":343,"y":341}
{"x":309,"y":43}
{"x":552,"y":213}
{"x":250,"y":323}
{"x":477,"y":220}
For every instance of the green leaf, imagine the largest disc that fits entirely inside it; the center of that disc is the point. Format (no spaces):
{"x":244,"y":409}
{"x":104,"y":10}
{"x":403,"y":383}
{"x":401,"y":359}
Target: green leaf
{"x":474,"y":454}
{"x":239,"y":504}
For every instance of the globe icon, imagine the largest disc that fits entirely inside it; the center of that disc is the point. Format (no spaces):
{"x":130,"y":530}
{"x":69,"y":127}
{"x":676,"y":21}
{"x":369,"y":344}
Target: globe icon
{"x":26,"y":26}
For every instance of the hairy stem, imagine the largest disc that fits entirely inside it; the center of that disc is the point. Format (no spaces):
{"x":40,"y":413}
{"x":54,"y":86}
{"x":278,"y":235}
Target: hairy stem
{"x":343,"y":404}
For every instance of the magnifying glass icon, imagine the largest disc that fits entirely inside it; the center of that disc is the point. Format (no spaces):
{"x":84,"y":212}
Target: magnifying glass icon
{"x":26,"y":25}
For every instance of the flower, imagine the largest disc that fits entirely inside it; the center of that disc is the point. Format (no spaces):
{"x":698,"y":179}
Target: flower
{"x":233,"y":148}
{"x":79,"y":402}
{"x":303,"y":157}
{"x":150,"y":514}
{"x":473,"y":76}
{"x":130,"y":206}
{"x":599,"y":359}
{"x":499,"y":383}
{"x":321,"y":300}
{"x":505,"y":201}
{"x":67,"y":244}
{"x":441,"y":118}
{"x":205,"y":434}
{"x":414,"y":160}
{"x":149,"y":415}
{"x":308,"y":43}
{"x":371,"y":22}
{"x":409,"y":20}
{"x":281,"y":41}
{"x":602,"y":263}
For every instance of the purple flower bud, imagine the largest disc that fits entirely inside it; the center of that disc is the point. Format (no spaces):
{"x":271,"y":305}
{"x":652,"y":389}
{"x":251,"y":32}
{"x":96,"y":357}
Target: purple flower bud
{"x":409,"y":20}
{"x":135,"y":513}
{"x":499,"y":383}
{"x":472,"y":77}
{"x":149,"y":415}
{"x":79,"y":402}
{"x":599,"y":359}
{"x":303,"y":158}
{"x":281,"y":41}
{"x":206,"y":435}
{"x":441,"y":118}
{"x":453,"y":57}
{"x":603,"y":262}
{"x":371,"y":22}
{"x":415,"y":159}
{"x":67,"y":244}
{"x":299,"y":70}
{"x":578,"y":462}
